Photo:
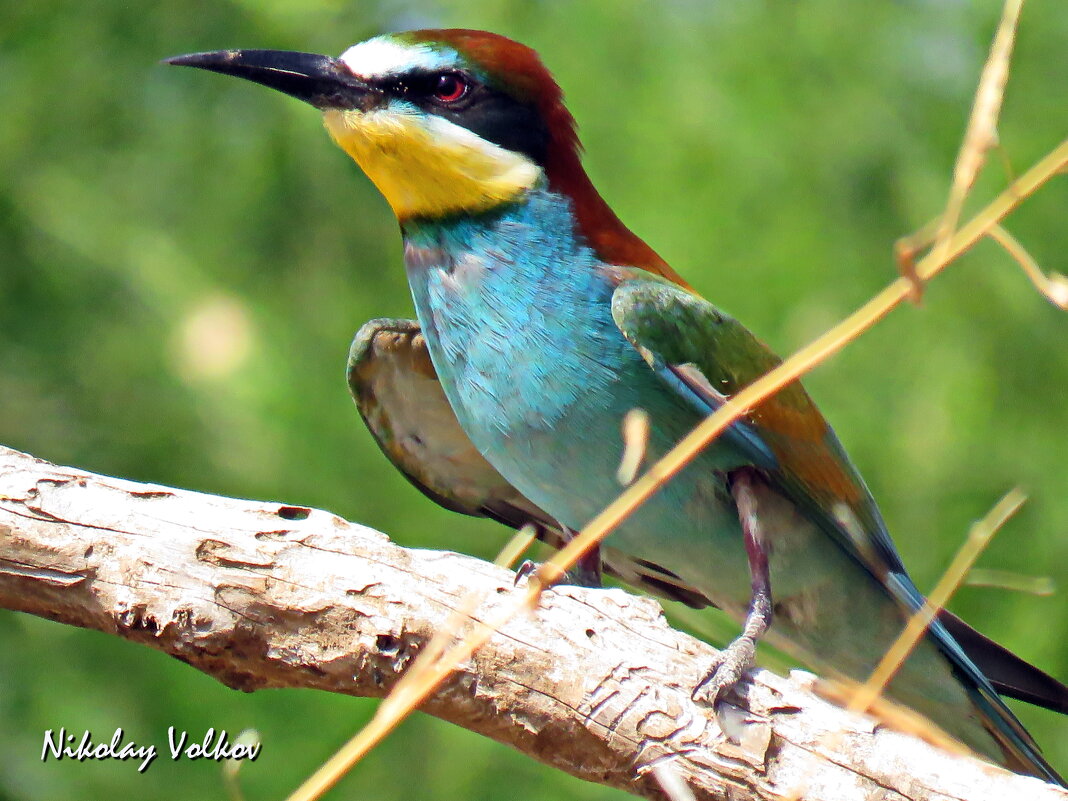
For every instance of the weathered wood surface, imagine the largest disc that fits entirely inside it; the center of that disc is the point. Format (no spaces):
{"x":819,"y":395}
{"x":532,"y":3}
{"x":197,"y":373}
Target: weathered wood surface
{"x":594,"y":683}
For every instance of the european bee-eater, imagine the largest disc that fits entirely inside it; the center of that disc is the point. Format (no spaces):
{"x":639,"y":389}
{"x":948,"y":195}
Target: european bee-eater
{"x":542,"y":320}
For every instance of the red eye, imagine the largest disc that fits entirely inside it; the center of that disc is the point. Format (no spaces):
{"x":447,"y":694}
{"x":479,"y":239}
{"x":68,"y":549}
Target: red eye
{"x":450,"y":87}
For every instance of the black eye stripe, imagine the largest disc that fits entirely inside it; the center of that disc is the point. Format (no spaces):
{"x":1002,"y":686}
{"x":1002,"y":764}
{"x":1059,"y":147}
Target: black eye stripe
{"x":418,"y":85}
{"x":492,"y":113}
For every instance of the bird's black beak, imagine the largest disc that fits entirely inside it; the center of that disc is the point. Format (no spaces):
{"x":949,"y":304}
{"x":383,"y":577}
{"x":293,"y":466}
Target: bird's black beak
{"x":323,"y":81}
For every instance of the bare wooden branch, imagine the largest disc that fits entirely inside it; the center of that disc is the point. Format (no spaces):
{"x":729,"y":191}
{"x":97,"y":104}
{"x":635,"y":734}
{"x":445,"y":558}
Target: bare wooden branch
{"x":595,"y":683}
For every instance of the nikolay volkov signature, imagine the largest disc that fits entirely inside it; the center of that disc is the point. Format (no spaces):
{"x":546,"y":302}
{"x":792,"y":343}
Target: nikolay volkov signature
{"x":214,"y":745}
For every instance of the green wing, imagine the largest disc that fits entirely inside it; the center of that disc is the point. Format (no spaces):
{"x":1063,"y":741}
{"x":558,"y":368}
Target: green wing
{"x":707,"y":356}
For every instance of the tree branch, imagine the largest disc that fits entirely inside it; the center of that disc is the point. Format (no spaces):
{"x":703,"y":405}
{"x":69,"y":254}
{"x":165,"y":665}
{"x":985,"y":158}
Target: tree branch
{"x":595,"y":683}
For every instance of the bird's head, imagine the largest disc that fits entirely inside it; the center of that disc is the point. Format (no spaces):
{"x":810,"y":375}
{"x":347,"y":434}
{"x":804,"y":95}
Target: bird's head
{"x":446,"y":122}
{"x":443,"y":122}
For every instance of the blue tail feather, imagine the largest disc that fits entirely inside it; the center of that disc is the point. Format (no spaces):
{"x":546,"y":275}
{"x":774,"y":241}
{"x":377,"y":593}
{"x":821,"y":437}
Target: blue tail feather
{"x":1019,"y":747}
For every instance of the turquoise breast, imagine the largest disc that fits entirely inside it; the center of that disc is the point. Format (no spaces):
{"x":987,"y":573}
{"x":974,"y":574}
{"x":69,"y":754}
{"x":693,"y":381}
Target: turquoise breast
{"x":517,"y":316}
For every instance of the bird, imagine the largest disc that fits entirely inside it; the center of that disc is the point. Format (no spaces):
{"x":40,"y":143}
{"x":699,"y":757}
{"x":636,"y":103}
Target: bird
{"x":542,"y":320}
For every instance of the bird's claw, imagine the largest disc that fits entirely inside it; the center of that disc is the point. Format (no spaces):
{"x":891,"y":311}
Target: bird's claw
{"x":524,"y":571}
{"x":727,"y":670}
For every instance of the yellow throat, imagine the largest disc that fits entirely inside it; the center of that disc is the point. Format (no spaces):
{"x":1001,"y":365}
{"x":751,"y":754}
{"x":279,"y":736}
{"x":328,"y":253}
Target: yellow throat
{"x":426,"y":166}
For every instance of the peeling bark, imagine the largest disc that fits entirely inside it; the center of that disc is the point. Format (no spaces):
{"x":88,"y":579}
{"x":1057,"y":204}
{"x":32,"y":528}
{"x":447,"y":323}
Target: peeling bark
{"x":595,"y":683}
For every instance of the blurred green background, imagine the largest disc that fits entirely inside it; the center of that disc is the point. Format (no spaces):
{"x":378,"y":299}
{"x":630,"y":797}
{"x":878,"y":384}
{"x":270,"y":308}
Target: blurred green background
{"x":184,"y":259}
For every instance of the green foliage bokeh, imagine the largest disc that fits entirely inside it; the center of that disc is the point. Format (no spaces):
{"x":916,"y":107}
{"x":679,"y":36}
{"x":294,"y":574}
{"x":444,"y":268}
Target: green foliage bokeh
{"x":184,"y":259}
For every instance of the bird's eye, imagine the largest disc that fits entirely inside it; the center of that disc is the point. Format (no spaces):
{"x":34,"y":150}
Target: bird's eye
{"x":450,"y":87}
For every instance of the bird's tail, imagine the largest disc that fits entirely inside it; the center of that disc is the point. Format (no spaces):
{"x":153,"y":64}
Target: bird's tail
{"x":990,"y":669}
{"x":971,"y":655}
{"x":1010,"y":675}
{"x":1022,"y":753}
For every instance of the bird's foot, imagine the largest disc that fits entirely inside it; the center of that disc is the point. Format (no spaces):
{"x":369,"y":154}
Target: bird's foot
{"x":525,"y":570}
{"x":727,"y":670}
{"x":586,"y":572}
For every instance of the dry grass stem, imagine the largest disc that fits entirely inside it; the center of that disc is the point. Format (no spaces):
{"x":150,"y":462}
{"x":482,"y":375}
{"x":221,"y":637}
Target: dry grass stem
{"x":1054,"y":286}
{"x":635,"y":445}
{"x":516,"y":546}
{"x":905,"y":251}
{"x":981,"y":133}
{"x":1007,"y":580}
{"x":978,"y":538}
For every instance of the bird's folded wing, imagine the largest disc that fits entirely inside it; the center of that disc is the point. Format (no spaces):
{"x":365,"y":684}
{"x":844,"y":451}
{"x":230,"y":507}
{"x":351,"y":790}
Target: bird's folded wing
{"x":707,"y":356}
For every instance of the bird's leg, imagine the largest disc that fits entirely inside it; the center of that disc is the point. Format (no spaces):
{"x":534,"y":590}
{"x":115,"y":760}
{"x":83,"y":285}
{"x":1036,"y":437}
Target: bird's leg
{"x":586,"y":572}
{"x":739,"y":656}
